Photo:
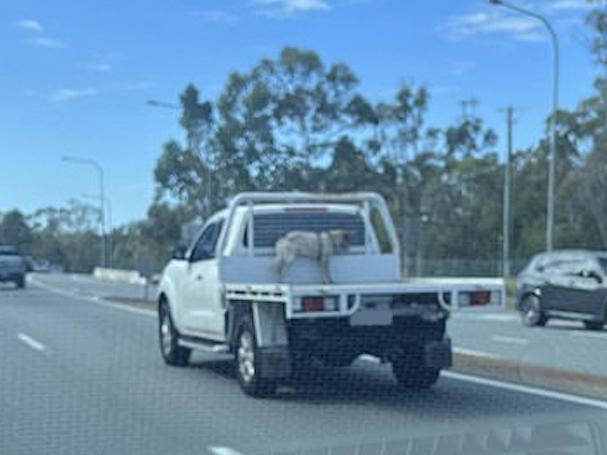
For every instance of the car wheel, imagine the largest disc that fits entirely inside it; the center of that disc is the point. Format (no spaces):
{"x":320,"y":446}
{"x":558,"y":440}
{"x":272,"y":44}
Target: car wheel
{"x":20,"y":283}
{"x":172,"y":353}
{"x":246,"y":356}
{"x":410,"y":372}
{"x":531,"y":311}
{"x":594,"y":325}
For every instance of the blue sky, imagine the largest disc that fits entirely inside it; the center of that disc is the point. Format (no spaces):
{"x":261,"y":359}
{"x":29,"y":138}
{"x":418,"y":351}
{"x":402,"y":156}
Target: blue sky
{"x":76,"y":74}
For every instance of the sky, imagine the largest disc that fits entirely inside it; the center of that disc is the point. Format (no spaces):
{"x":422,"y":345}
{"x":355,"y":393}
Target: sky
{"x":76,"y":75}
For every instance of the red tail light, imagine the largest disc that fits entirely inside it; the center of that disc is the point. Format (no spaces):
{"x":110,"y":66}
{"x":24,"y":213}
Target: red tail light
{"x":312,"y":304}
{"x":480,"y":298}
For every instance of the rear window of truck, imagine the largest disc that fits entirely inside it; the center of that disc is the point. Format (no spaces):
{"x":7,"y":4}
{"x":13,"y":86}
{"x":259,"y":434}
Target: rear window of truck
{"x":268,"y":228}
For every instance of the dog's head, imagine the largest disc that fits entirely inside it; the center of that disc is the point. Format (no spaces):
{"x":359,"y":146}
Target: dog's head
{"x":340,"y":238}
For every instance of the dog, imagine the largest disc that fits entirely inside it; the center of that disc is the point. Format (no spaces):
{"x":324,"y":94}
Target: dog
{"x":319,"y":246}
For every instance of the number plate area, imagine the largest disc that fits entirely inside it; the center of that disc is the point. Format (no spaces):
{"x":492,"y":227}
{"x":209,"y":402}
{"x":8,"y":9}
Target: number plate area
{"x":373,"y":310}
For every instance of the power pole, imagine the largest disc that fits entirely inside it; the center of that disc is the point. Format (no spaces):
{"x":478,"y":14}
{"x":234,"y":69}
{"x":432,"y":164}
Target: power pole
{"x":507,"y":196}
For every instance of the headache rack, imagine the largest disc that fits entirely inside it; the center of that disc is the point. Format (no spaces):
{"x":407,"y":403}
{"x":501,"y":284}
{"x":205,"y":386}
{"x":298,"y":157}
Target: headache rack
{"x":367,"y":200}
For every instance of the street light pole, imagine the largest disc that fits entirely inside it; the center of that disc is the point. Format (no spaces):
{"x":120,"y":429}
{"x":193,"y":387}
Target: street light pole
{"x":506,"y":217}
{"x":100,"y":176}
{"x":555,"y":105}
{"x":110,"y":224}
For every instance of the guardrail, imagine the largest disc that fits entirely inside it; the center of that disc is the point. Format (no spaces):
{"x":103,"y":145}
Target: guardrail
{"x":125,"y":276}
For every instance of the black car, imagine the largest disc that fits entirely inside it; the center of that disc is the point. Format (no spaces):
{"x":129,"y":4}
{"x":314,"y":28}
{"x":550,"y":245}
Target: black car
{"x":566,"y":284}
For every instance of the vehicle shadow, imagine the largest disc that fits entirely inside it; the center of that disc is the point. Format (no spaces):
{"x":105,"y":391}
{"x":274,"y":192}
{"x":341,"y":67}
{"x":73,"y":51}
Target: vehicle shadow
{"x":366,"y":384}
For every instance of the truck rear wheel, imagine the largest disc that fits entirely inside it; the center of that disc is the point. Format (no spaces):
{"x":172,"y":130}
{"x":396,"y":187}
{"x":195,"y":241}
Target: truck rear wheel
{"x":246,"y":356}
{"x":411,"y":373}
{"x":20,"y":282}
{"x":172,"y":353}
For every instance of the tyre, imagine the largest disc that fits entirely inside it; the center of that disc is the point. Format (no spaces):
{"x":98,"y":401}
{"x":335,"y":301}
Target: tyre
{"x":410,"y":372}
{"x":172,"y":353}
{"x":531,"y":311}
{"x":20,"y":283}
{"x":594,"y":325}
{"x":246,"y":357}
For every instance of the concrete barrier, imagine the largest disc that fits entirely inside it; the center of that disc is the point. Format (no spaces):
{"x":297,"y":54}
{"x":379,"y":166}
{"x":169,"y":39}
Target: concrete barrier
{"x":125,"y":276}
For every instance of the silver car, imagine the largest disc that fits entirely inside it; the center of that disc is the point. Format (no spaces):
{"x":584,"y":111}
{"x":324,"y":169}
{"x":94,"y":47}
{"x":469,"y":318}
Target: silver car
{"x":565,"y":284}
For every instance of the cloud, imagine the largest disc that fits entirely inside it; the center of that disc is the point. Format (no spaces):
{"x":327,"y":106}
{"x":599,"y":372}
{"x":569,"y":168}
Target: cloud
{"x":100,"y":67}
{"x":217,"y":16}
{"x":136,"y":86}
{"x":460,"y":67}
{"x":570,"y":5}
{"x":30,"y":25}
{"x":66,"y":94}
{"x":288,"y":8}
{"x":47,"y":42}
{"x":519,"y":28}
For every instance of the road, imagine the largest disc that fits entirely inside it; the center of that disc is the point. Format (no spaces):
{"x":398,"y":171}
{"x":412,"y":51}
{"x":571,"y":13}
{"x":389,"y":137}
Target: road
{"x":498,"y":334}
{"x":79,"y":376}
{"x":564,"y":345}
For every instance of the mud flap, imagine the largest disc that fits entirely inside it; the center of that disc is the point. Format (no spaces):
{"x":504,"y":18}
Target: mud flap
{"x":438,"y":354}
{"x":273,"y":347}
{"x":274,"y":362}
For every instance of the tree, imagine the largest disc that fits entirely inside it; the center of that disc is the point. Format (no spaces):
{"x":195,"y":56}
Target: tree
{"x":14,"y":230}
{"x":186,"y":173}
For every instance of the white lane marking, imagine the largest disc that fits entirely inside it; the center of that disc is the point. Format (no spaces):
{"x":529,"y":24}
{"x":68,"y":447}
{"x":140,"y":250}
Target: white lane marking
{"x":36,"y":345}
{"x":595,"y":335}
{"x":527,"y":389}
{"x":486,"y":317}
{"x":511,"y":340}
{"x":95,"y":299}
{"x":457,"y":350}
{"x":474,"y":352}
{"x":218,"y":450}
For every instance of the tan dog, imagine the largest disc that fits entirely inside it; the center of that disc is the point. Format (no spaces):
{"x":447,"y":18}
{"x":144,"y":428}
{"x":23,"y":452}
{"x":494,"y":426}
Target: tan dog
{"x":319,"y":246}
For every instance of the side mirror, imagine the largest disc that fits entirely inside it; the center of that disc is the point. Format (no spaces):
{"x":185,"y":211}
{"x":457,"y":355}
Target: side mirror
{"x":178,"y":253}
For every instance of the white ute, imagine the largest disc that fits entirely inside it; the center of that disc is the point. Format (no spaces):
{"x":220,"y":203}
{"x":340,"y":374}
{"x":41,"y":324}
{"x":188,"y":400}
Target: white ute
{"x":222,"y":295}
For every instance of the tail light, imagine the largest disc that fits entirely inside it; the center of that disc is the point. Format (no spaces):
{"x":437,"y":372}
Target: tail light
{"x":480,"y":298}
{"x":319,"y":303}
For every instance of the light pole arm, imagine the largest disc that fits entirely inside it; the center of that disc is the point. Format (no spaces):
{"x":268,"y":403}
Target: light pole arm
{"x":553,"y":37}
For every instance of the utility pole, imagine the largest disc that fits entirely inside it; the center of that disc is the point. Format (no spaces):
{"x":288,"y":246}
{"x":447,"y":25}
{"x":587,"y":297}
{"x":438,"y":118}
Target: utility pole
{"x":468,"y":106}
{"x":507,"y":211}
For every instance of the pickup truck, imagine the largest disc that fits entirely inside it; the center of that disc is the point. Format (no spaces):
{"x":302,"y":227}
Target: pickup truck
{"x":12,"y":266}
{"x":223,"y":294}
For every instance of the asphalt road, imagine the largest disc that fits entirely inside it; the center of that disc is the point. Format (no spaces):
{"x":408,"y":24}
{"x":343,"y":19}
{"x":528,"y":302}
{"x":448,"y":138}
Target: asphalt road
{"x":564,"y":345}
{"x":80,"y":377}
{"x":497,"y":334}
